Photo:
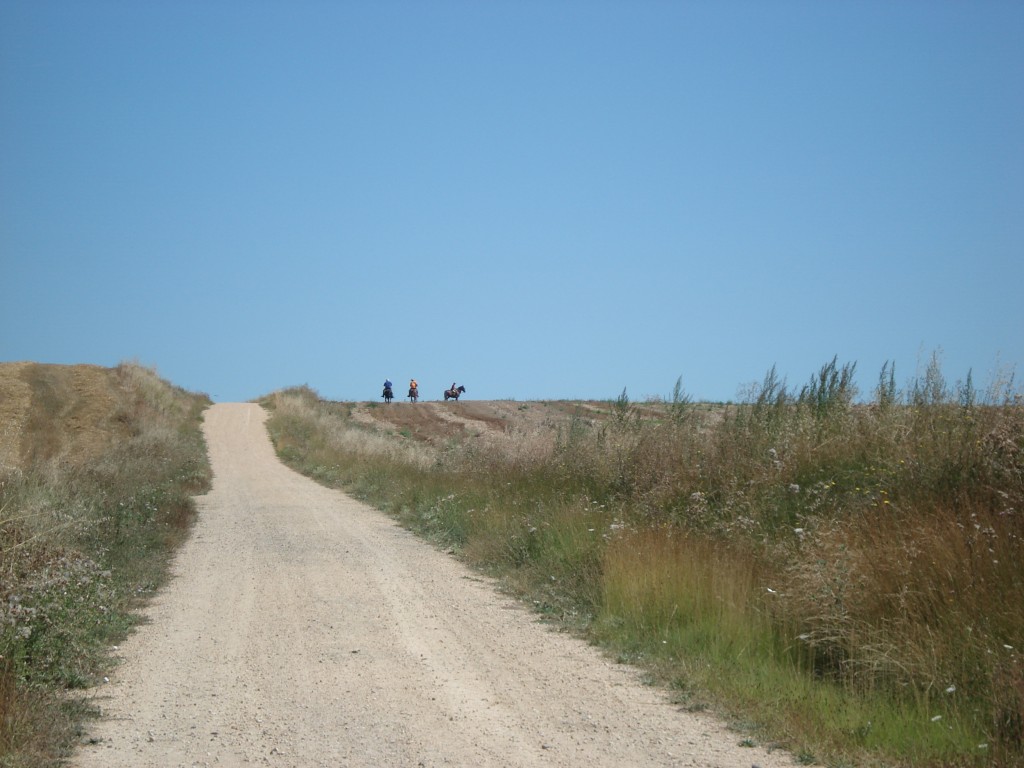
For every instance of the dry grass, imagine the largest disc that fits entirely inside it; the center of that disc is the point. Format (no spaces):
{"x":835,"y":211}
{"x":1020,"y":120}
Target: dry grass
{"x":94,"y":495}
{"x":845,"y":575}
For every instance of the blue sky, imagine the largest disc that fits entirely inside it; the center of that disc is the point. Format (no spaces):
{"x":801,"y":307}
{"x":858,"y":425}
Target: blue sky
{"x":539,"y":200}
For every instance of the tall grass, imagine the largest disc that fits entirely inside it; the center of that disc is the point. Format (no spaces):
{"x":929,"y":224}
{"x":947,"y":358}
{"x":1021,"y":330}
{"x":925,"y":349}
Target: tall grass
{"x":86,"y":530}
{"x":842,"y":576}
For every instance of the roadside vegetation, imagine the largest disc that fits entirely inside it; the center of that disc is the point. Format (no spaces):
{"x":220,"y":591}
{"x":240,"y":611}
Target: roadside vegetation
{"x":838,"y":575}
{"x":95,"y":494}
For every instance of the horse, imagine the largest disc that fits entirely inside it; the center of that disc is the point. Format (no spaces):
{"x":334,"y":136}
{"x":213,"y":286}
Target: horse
{"x":453,"y":394}
{"x":414,"y":394}
{"x":388,"y":395}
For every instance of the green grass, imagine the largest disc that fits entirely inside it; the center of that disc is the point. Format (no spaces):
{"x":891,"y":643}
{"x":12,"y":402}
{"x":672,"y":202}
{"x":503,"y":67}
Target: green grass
{"x":841,"y":578}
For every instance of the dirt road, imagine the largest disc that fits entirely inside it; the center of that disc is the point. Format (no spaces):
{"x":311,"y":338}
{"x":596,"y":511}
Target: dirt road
{"x":304,"y":628}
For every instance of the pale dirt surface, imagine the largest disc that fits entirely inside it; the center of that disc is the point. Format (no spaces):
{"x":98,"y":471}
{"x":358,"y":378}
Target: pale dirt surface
{"x":303,"y":628}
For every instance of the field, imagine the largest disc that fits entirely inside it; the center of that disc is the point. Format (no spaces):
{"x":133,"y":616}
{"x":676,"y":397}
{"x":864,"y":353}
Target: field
{"x":842,"y":575}
{"x":437,"y":423}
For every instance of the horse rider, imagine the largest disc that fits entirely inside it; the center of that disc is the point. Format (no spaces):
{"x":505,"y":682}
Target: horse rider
{"x":387,"y":384}
{"x":414,"y":388}
{"x":452,"y":390}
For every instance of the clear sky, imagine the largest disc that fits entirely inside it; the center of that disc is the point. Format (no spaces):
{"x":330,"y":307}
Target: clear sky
{"x":540,"y":200}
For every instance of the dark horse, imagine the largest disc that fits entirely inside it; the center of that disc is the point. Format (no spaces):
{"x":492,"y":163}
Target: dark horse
{"x":388,"y":395}
{"x":453,"y":394}
{"x":414,"y":394}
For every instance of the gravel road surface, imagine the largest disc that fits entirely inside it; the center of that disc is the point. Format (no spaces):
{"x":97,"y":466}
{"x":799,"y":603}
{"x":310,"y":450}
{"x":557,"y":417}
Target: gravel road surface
{"x":303,"y":628}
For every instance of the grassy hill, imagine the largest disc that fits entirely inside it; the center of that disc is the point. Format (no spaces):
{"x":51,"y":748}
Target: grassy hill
{"x":837,"y":577}
{"x":97,"y":468}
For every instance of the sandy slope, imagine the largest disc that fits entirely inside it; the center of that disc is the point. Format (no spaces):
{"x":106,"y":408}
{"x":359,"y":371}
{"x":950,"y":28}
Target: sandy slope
{"x":306,"y":629}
